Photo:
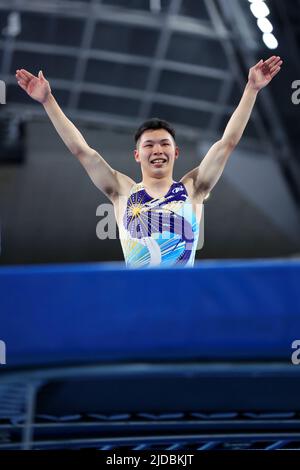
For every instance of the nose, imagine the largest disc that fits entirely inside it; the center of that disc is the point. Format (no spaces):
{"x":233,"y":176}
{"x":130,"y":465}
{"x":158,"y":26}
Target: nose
{"x":157,"y":150}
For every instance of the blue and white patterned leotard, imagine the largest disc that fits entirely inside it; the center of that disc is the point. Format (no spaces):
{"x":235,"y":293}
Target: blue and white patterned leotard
{"x":159,"y":231}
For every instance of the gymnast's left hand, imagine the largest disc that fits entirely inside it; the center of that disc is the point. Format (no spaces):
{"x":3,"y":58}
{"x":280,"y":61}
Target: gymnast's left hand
{"x":263,"y":72}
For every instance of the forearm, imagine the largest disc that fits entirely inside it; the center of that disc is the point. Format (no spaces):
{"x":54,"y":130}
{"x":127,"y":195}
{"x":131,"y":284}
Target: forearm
{"x":65,"y":128}
{"x":239,"y":119}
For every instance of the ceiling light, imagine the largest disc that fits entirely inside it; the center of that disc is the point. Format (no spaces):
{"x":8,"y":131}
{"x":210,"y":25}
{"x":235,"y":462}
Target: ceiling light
{"x":270,"y":40}
{"x":265,"y":25}
{"x":259,"y":9}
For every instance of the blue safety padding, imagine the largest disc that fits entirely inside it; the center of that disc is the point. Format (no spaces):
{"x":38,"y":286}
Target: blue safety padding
{"x":93,"y":312}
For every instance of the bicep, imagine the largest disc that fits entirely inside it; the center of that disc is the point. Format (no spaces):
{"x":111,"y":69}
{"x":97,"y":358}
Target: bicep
{"x":111,"y":182}
{"x":206,"y":175}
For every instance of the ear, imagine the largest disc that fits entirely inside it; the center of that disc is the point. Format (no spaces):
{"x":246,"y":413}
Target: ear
{"x":176,"y":152}
{"x":136,"y":155}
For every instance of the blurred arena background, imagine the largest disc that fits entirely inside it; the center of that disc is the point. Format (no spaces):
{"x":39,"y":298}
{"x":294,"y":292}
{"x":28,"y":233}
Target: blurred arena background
{"x":137,"y":368}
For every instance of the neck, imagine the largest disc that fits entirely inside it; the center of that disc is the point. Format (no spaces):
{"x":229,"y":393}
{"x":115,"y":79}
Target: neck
{"x":157,"y":184}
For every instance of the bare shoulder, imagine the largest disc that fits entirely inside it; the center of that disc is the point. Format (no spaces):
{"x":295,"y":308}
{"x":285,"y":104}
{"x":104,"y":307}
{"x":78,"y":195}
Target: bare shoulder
{"x":189,"y":181}
{"x":111,"y":182}
{"x":120,"y":199}
{"x":125,"y":184}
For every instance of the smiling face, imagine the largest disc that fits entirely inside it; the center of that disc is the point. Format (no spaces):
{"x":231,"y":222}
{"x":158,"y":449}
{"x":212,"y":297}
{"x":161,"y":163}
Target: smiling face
{"x":156,"y":152}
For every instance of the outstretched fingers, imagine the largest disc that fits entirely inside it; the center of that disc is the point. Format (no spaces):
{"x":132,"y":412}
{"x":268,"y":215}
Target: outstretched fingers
{"x":273,"y":61}
{"x":27,"y":74}
{"x":22,"y":84}
{"x":275,"y":65}
{"x":23,"y":74}
{"x":275,"y":71}
{"x":259,"y":64}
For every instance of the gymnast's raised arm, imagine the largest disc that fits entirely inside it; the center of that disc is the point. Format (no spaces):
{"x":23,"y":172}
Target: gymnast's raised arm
{"x":206,"y":175}
{"x":111,"y":182}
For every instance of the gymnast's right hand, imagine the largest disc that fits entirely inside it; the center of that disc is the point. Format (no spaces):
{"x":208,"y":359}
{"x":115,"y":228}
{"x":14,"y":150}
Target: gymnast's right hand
{"x":38,"y":88}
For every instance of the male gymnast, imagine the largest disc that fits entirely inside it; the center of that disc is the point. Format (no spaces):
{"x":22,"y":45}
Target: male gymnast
{"x":158,"y":218}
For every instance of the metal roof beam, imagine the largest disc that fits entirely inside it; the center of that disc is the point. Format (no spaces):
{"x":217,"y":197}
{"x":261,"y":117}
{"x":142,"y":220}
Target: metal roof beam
{"x":110,"y":14}
{"x":123,"y":58}
{"x":122,"y":92}
{"x":161,"y":51}
{"x":111,"y":121}
{"x":82,"y":59}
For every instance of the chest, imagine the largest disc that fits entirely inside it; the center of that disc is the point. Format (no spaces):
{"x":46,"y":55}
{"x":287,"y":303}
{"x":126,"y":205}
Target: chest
{"x":135,"y":202}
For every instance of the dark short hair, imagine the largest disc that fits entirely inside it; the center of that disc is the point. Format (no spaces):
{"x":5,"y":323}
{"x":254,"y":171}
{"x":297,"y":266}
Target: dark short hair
{"x":153,"y":124}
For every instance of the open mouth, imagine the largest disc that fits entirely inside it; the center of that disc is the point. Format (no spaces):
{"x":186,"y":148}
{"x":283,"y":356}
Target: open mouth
{"x":158,"y":161}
